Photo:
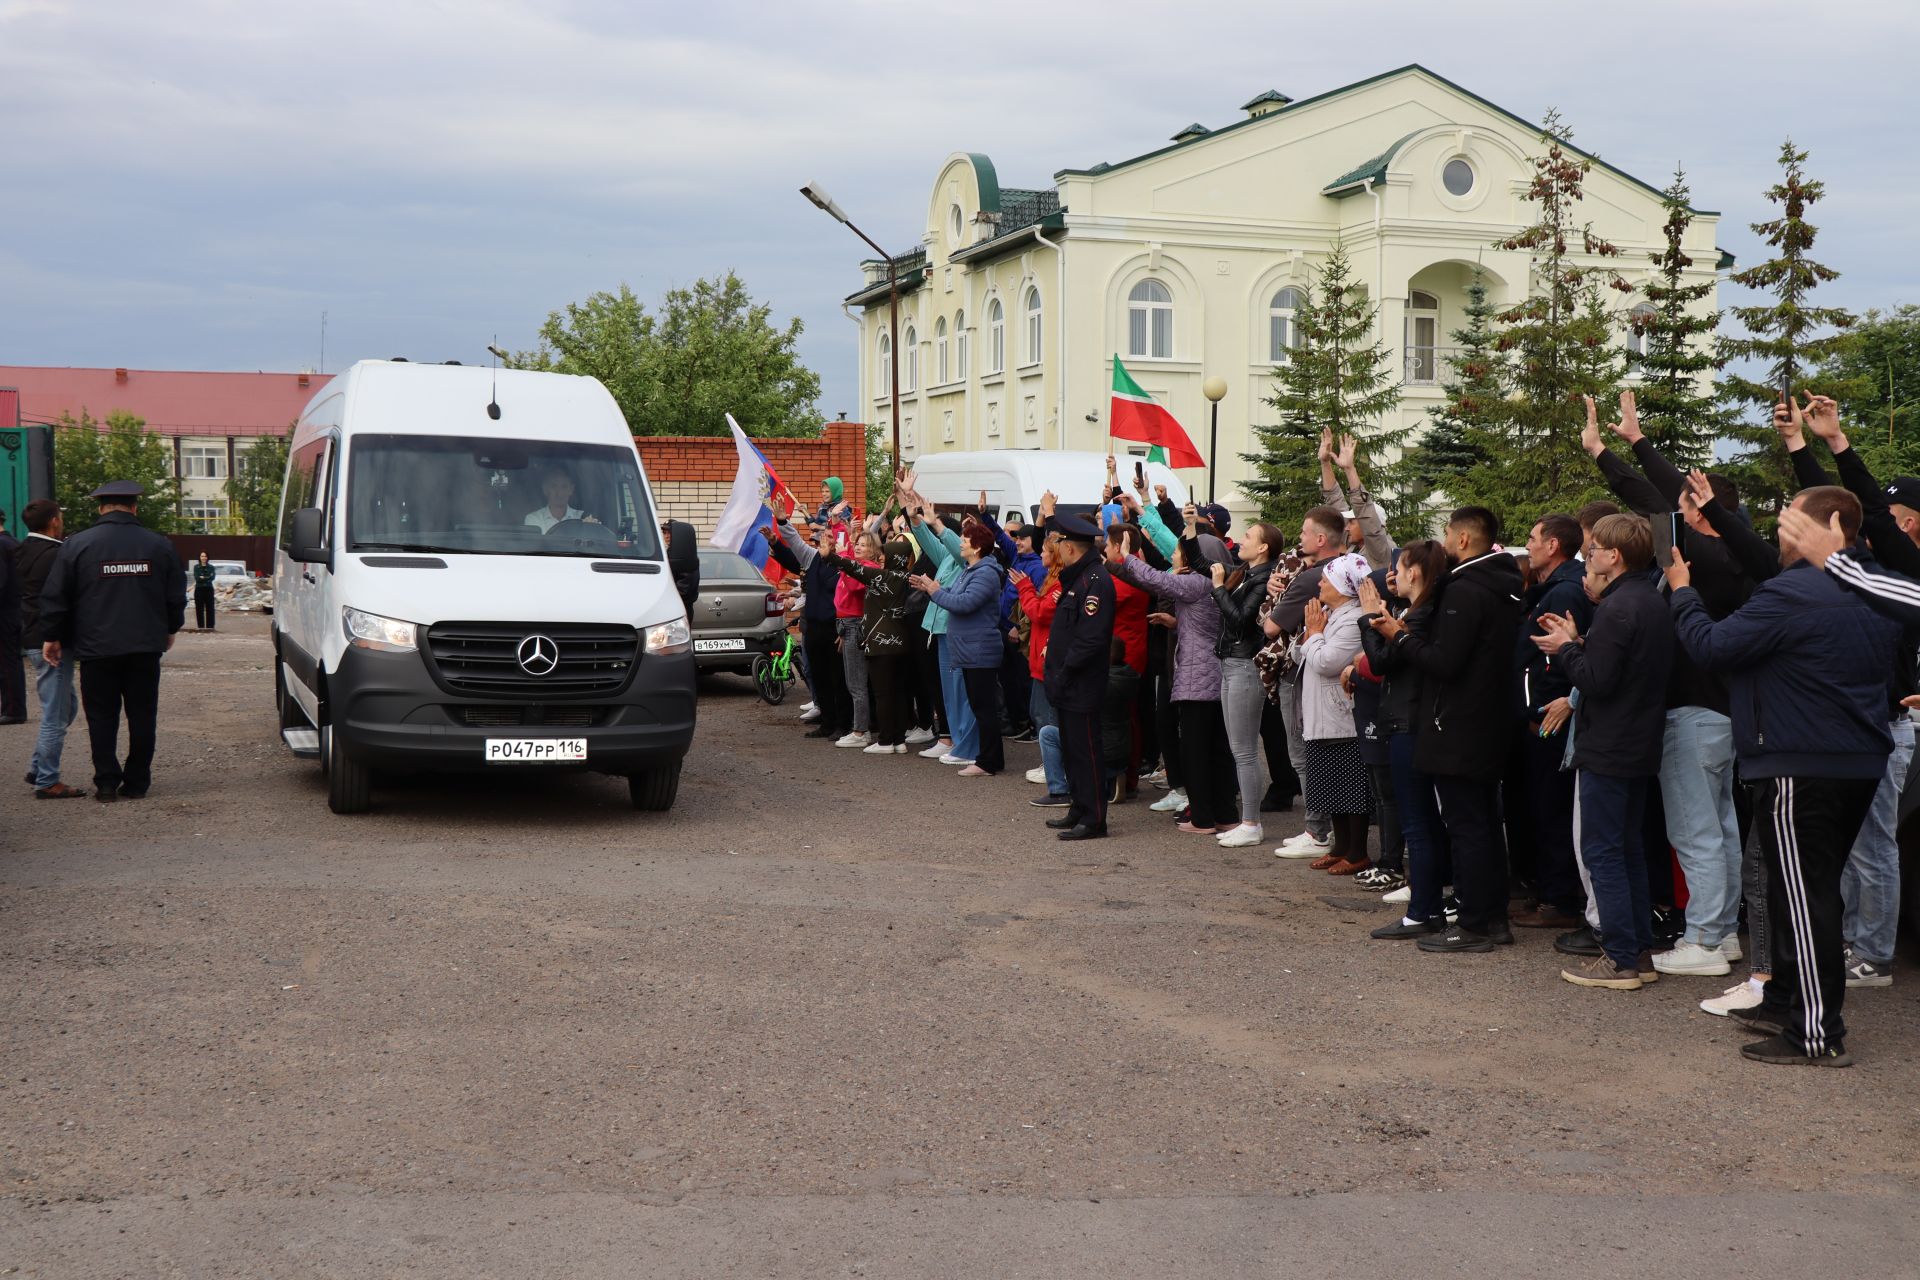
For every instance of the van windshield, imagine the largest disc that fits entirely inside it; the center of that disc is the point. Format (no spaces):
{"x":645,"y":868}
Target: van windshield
{"x":475,"y":496}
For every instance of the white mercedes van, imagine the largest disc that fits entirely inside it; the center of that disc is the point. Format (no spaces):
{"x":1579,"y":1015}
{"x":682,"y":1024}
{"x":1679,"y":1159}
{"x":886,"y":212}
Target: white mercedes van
{"x":470,"y":576}
{"x":1015,"y":478}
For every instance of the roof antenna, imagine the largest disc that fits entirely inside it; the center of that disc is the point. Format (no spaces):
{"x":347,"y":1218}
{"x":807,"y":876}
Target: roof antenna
{"x":493,"y":404}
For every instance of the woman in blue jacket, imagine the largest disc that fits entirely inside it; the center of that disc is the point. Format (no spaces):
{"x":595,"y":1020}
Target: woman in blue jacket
{"x":974,"y":647}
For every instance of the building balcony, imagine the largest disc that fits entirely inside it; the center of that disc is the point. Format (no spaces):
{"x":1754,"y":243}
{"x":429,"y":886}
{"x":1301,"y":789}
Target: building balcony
{"x":1426,"y":366}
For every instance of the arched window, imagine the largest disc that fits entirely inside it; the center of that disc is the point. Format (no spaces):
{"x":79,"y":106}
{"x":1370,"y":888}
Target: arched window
{"x":940,"y":352}
{"x":884,"y":366}
{"x":996,"y":338}
{"x":909,"y":360}
{"x":960,"y":345}
{"x":1034,"y":350}
{"x":1283,"y":335}
{"x":1150,"y":321}
{"x":1639,"y":324}
{"x":1423,"y":338}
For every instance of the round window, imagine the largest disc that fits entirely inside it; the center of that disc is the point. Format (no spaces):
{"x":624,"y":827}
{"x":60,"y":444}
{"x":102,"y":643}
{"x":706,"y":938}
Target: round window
{"x":956,"y":226}
{"x":1458,"y":177}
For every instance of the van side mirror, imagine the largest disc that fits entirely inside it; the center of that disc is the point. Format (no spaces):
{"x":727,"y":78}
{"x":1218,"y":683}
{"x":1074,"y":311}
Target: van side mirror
{"x":306,"y":543}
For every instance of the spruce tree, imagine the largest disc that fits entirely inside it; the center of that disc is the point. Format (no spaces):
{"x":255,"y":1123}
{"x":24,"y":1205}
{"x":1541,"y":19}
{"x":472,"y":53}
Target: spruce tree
{"x":1678,"y":412}
{"x":1555,"y":346}
{"x":1339,"y":377}
{"x":1786,"y":337}
{"x":1447,"y":450}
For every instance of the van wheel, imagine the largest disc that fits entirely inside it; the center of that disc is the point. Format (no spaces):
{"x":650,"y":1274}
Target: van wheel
{"x":349,"y":782}
{"x":653,"y":791}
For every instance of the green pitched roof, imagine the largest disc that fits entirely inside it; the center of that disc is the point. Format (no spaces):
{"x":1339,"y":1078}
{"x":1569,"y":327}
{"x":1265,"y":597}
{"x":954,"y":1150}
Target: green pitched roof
{"x":1375,"y":169}
{"x":1191,"y":131}
{"x":1271,"y":95}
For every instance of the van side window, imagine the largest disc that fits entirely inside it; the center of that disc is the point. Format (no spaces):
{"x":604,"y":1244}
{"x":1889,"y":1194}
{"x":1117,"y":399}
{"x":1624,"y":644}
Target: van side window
{"x":306,"y":483}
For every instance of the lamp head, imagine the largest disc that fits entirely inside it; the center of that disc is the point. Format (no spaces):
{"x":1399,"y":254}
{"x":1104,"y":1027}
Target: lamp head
{"x":1214,"y":389}
{"x":822,"y":201}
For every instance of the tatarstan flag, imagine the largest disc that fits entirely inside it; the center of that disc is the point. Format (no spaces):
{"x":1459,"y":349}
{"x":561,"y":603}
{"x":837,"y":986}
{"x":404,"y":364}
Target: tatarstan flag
{"x":1135,"y":415}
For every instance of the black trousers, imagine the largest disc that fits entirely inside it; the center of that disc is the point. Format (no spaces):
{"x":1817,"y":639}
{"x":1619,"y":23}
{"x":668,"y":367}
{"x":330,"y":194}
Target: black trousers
{"x":887,"y":688}
{"x":106,"y":685}
{"x":1146,"y":710}
{"x":1470,"y":809}
{"x":203,"y":608}
{"x":1080,"y":753}
{"x":923,"y":678}
{"x":1556,"y":876}
{"x":983,"y":695}
{"x":1386,"y":811}
{"x":829,"y":676}
{"x":1167,"y":719}
{"x":1807,"y":827}
{"x":1015,"y":687}
{"x":13,"y":673}
{"x":1285,"y":784}
{"x":1206,"y":765}
{"x":1516,"y":815}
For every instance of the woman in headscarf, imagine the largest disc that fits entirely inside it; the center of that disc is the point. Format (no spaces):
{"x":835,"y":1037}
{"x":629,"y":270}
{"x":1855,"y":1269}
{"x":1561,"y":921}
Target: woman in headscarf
{"x":1336,"y":780}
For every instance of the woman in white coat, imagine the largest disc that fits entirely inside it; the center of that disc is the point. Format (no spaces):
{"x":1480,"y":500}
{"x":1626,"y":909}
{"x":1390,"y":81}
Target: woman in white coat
{"x":1336,"y":781}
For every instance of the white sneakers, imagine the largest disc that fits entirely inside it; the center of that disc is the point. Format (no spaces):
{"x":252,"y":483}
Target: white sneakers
{"x":1741,"y":995}
{"x":1172,"y":802}
{"x":950,"y":758}
{"x":918,"y":737}
{"x":973,"y":771}
{"x":1240,"y":837}
{"x":1304,"y":845}
{"x":810,"y":714}
{"x":854,"y":740}
{"x":1692,"y":958}
{"x":1037,"y":775}
{"x":937,"y":750}
{"x":1398,"y":896}
{"x":880,"y":748}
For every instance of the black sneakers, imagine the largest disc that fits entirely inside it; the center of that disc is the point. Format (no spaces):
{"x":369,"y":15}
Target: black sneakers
{"x":1782,"y":1052}
{"x":1577,"y":942}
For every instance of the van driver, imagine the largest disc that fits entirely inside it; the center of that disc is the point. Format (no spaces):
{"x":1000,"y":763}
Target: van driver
{"x":557,"y":485}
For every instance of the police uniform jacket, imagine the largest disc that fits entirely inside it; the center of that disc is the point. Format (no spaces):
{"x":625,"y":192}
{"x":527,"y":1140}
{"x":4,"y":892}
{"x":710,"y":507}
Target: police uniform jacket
{"x":1080,"y":645}
{"x":115,"y":589}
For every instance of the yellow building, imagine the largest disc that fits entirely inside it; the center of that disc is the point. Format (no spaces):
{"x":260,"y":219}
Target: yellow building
{"x":1187,"y":261}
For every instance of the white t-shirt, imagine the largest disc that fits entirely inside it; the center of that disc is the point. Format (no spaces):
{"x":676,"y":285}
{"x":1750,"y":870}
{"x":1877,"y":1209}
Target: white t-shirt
{"x":544,"y":519}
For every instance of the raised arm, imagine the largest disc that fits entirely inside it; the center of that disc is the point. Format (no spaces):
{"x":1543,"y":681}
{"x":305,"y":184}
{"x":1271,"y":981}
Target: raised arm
{"x":1632,"y":488}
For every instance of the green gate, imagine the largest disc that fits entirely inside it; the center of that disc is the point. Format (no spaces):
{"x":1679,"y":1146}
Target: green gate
{"x":26,"y":471}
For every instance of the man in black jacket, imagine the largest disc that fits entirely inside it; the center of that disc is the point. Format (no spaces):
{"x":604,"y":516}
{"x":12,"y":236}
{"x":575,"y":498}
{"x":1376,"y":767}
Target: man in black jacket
{"x":1467,"y":707}
{"x":825,"y":671}
{"x":1078,"y":650}
{"x":1620,"y":669}
{"x":1560,"y":589}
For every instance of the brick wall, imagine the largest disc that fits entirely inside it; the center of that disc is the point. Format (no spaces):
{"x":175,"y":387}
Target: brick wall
{"x":692,"y":475}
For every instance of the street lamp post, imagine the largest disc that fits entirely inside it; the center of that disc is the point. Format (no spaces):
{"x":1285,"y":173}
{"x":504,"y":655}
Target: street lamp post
{"x":1214,"y":389}
{"x":825,"y":203}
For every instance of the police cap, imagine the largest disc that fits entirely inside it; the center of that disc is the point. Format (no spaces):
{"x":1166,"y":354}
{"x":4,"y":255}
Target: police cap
{"x":121,"y":489}
{"x":1074,"y":528}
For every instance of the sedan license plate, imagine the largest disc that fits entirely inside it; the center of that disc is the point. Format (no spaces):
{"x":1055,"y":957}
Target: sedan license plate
{"x":720,"y":646}
{"x":535,"y":750}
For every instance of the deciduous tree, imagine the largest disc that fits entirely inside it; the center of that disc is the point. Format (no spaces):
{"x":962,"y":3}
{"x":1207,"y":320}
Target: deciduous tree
{"x":87,"y":453}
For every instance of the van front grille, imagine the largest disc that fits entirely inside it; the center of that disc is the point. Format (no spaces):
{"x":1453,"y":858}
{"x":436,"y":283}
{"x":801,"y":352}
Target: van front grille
{"x":484,"y":658}
{"x":505,"y":717}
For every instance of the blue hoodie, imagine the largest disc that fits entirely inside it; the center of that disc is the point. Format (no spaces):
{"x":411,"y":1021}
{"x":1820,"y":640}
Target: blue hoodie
{"x":1807,"y":666}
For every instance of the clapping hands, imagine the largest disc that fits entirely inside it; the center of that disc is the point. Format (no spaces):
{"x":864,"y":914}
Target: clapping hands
{"x":1558,"y":630}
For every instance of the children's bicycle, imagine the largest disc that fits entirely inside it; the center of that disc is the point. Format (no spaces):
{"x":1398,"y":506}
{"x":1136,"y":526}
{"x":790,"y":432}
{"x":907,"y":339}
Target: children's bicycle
{"x":773,"y":672}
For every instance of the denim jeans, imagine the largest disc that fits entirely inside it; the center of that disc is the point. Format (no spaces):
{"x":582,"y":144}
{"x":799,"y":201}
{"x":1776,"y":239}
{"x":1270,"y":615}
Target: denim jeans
{"x":953,"y":690}
{"x":1429,"y":866}
{"x":59,"y":704}
{"x":1241,"y":699}
{"x":1608,"y":836}
{"x":1052,"y":762}
{"x":853,"y":662}
{"x":1870,"y":885}
{"x":1696,"y":788}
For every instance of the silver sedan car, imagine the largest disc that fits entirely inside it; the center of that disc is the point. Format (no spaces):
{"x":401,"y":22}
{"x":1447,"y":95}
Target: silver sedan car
{"x":736,"y":617}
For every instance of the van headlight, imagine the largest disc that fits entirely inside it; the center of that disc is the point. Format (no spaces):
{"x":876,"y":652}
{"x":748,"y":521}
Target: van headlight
{"x":371,"y":631}
{"x":672,"y":636}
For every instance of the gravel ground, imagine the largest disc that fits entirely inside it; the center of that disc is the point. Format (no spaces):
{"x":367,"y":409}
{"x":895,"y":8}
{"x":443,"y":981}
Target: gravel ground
{"x":834,"y":1015}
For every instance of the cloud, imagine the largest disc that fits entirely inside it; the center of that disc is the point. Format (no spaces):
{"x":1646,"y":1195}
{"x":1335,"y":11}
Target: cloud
{"x":192,"y":183}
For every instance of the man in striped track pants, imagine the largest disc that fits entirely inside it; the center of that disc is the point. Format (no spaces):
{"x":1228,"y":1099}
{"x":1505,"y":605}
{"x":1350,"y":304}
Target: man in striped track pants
{"x":1808,"y":664}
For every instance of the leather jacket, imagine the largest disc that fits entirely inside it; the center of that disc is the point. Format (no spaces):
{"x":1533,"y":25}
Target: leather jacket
{"x":1241,"y":635}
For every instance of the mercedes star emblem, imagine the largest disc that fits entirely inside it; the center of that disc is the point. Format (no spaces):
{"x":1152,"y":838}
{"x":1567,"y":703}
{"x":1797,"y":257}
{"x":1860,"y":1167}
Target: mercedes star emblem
{"x":538,"y":655}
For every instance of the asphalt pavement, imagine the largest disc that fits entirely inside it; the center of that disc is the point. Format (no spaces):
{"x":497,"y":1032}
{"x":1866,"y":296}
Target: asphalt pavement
{"x":837,"y":1015}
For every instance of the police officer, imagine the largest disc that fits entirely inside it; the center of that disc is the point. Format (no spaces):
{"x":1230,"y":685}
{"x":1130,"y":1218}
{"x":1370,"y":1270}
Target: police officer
{"x":113,"y":600}
{"x":1078,"y":652}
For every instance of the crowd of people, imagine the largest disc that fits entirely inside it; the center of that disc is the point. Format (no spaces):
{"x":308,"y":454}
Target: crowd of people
{"x":1642,"y":721}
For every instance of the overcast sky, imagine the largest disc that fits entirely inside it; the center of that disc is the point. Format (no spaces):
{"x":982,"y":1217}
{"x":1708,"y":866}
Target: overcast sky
{"x":190,"y":184}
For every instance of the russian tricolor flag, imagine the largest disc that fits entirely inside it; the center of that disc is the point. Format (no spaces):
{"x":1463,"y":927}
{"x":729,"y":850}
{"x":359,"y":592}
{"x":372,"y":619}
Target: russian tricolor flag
{"x":750,"y":506}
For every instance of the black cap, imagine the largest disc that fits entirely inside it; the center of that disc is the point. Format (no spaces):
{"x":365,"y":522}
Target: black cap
{"x":118,"y":489}
{"x":1074,"y":528}
{"x":1905,"y":490}
{"x":1217,"y":516}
